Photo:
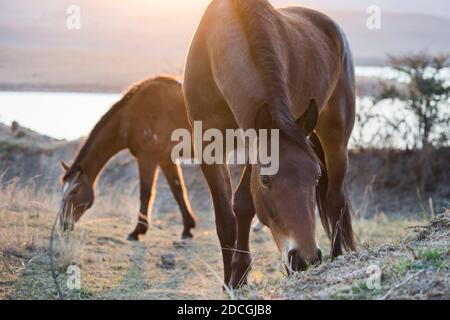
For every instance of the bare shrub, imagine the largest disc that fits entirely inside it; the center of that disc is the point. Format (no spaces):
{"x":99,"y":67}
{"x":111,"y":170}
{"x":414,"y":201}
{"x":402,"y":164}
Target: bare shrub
{"x":412,"y":114}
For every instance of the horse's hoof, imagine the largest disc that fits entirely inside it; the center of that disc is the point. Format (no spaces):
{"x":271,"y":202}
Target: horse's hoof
{"x":187,"y":235}
{"x":133,"y":237}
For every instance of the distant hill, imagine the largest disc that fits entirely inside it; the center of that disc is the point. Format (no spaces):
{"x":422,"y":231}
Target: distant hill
{"x":165,"y":27}
{"x":119,"y":44}
{"x":400,"y":33}
{"x":435,"y":7}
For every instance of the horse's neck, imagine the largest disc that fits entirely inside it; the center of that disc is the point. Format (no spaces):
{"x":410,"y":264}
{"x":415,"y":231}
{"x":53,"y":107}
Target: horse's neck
{"x":103,"y":146}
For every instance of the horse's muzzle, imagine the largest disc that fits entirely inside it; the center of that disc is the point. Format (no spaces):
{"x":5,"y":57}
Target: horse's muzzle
{"x":297,"y":263}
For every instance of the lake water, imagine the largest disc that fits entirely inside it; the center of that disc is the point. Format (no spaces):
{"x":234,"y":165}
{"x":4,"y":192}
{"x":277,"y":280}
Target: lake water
{"x":72,"y":115}
{"x":60,"y":115}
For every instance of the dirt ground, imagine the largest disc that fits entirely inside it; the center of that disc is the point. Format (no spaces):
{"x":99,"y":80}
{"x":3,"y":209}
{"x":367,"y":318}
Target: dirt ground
{"x":414,"y":264}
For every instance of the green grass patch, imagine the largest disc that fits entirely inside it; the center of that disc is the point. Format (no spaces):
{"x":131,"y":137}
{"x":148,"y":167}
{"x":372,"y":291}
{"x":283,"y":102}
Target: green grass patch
{"x":425,"y":258}
{"x":360,"y":291}
{"x":81,"y":294}
{"x":436,"y":257}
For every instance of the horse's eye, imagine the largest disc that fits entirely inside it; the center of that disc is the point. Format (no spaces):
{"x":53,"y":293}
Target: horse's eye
{"x":265,"y":181}
{"x":319,"y":177}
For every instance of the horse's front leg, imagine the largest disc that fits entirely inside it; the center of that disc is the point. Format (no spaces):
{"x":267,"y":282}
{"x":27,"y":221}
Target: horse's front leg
{"x":245,"y":211}
{"x":334,"y":132}
{"x":174,"y":176}
{"x":219,"y":181}
{"x":148,"y":175}
{"x":338,"y":203}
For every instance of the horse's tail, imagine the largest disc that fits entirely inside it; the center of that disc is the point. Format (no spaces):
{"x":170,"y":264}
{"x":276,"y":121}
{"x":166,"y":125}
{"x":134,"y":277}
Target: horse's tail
{"x":345,"y":232}
{"x":263,"y":30}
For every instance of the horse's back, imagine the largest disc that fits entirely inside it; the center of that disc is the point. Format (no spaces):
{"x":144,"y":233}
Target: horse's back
{"x":160,"y":95}
{"x":306,"y":19}
{"x":319,"y":26}
{"x":329,"y":42}
{"x":153,"y":112}
{"x":326,"y":54}
{"x":322,"y":26}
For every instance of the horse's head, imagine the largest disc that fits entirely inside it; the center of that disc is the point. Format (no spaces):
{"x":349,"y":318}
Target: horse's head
{"x":286,"y":201}
{"x":77,"y":196}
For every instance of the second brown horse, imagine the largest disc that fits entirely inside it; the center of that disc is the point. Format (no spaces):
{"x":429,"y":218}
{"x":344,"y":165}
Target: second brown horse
{"x":142,"y":122}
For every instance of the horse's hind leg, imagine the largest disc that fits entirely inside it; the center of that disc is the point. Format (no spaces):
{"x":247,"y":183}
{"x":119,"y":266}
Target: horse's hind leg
{"x":245,"y":211}
{"x":219,"y":182}
{"x":148,"y":175}
{"x":174,"y":177}
{"x":334,"y":130}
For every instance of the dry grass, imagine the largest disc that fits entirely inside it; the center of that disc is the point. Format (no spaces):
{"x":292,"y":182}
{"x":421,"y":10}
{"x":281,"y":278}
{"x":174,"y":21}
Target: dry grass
{"x":112,"y":268}
{"x":417,"y":267}
{"x":22,"y":211}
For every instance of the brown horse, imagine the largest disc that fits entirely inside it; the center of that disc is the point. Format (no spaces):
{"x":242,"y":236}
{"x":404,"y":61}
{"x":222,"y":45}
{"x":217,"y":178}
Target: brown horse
{"x":253,"y":66}
{"x":142,"y":122}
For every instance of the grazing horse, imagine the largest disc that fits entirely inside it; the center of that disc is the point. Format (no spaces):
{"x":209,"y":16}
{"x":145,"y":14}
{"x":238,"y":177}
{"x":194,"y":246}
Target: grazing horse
{"x":251,"y":66}
{"x":142,"y":122}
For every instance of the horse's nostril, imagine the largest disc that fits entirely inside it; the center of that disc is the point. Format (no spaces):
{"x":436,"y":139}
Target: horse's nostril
{"x":296,"y":261}
{"x":291,"y":255}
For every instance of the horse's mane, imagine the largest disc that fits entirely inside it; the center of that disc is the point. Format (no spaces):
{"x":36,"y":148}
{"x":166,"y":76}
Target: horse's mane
{"x":106,"y":118}
{"x":260,"y":22}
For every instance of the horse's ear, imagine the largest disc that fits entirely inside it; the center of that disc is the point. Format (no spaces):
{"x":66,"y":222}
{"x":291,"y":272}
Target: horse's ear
{"x":308,"y":120}
{"x":263,"y":118}
{"x":65,"y":166}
